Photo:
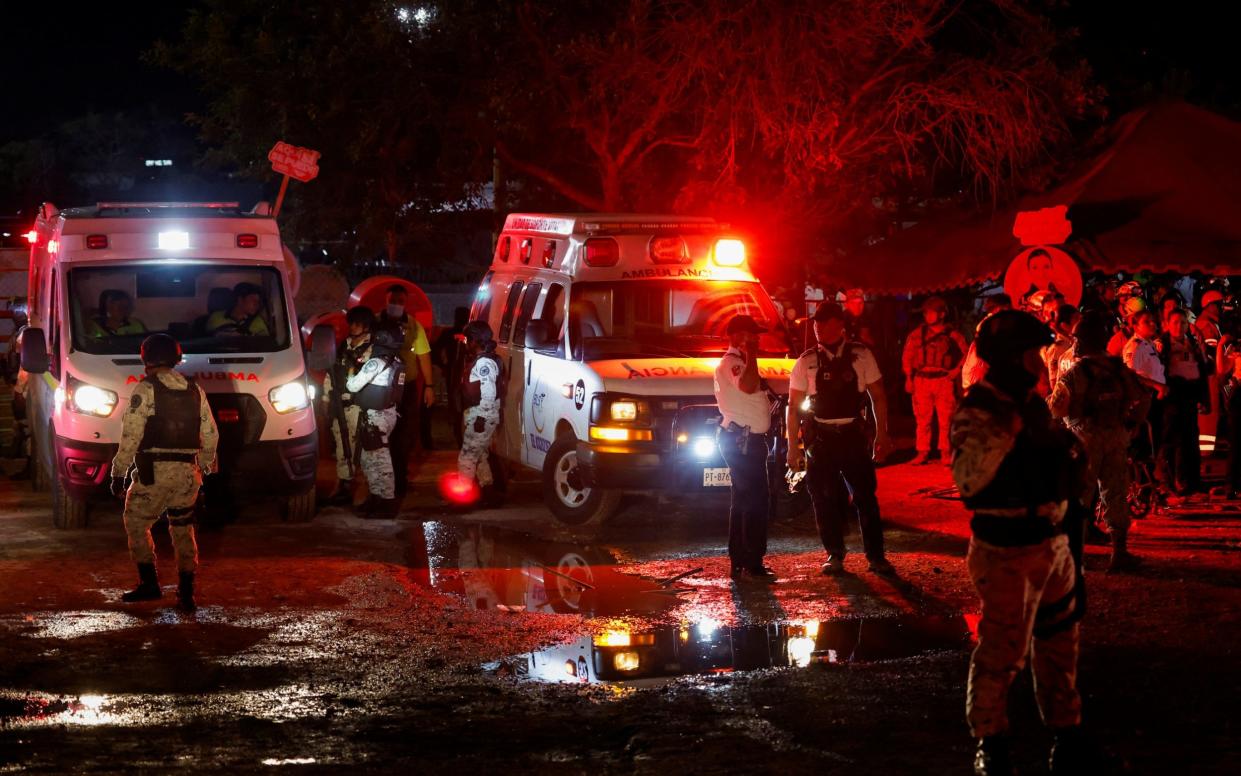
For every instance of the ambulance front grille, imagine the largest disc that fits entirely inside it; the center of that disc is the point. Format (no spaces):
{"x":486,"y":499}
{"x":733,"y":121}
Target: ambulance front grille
{"x":239,"y":417}
{"x":668,"y":412}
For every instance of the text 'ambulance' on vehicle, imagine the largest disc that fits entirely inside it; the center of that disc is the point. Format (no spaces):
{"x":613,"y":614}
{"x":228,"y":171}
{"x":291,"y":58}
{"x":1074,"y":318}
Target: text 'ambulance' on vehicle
{"x":609,"y":328}
{"x":217,"y":280}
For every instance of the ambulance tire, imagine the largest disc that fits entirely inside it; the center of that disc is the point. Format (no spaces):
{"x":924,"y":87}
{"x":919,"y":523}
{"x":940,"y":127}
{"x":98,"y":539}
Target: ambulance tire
{"x":68,"y":513}
{"x":299,"y":507}
{"x":564,"y":493}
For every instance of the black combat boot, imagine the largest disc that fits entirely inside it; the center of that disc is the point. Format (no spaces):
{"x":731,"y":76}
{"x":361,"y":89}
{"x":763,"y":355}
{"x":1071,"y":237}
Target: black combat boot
{"x":385,"y":508}
{"x":491,"y":497}
{"x":148,"y":586}
{"x":1122,"y":559}
{"x":992,"y":757}
{"x":343,"y":496}
{"x":185,"y":592}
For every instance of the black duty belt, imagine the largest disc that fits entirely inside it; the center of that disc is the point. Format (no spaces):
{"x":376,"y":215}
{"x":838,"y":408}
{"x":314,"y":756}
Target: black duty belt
{"x":928,"y":372}
{"x":168,"y":457}
{"x":1013,"y":531}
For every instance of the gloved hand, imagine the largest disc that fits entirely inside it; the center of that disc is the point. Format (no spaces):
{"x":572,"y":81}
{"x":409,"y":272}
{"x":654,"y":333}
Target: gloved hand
{"x":118,"y":487}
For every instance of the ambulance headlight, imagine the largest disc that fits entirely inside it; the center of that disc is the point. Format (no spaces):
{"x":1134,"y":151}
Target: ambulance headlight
{"x":625,"y":409}
{"x":89,"y":400}
{"x":289,"y":397}
{"x":704,"y":447}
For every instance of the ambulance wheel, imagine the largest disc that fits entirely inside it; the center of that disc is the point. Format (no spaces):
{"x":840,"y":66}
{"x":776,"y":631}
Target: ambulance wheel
{"x":563,"y":593}
{"x":300,"y":507}
{"x":566,"y":495}
{"x":67,"y":512}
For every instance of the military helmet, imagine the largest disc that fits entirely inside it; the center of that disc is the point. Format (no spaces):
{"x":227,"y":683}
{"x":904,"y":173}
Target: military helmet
{"x":1130,"y":288}
{"x":478,"y":331}
{"x":1093,"y":331}
{"x":1211,"y":297}
{"x":1132,"y":307}
{"x":386,"y":341}
{"x":160,"y":350}
{"x":1008,"y":334}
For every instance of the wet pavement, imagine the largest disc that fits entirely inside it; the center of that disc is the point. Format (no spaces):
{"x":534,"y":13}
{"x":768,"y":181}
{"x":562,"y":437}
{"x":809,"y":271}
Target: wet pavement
{"x":498,"y":640}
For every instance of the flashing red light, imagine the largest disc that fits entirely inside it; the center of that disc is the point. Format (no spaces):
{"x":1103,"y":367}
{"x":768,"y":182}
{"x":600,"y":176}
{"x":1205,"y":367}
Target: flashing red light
{"x":503,"y":248}
{"x":729,"y":253}
{"x":96,"y":241}
{"x":602,"y":252}
{"x":458,"y":490}
{"x":247,"y":241}
{"x":526,"y":251}
{"x":229,"y":416}
{"x":32,"y":236}
{"x":669,"y":250}
{"x":549,"y":253}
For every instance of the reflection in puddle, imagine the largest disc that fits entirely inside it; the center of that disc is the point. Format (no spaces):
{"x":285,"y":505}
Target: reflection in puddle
{"x":69,"y":625}
{"x":40,"y":710}
{"x":621,"y":654}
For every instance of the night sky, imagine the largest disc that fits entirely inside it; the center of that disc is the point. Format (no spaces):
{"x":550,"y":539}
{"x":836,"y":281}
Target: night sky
{"x":57,"y":67}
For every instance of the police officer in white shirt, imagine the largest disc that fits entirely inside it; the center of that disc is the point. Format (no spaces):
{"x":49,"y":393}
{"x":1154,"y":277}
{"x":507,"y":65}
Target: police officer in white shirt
{"x":837,"y":376}
{"x":746,"y":406}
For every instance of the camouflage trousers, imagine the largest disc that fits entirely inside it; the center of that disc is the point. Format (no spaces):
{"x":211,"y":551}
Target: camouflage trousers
{"x":174,"y":492}
{"x":480,"y":425}
{"x":1027,"y":601}
{"x":377,"y":463}
{"x":934,"y":398}
{"x":344,"y":465}
{"x":1107,"y":461}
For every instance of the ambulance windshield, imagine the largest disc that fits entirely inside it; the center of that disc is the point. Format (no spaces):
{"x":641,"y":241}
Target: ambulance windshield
{"x":629,"y":319}
{"x":208,"y":308}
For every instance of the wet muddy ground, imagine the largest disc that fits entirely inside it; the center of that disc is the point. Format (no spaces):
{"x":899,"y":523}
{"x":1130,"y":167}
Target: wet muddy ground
{"x":500,"y":642}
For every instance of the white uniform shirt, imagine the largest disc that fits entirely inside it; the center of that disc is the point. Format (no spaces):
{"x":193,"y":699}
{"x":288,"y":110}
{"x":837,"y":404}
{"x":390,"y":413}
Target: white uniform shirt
{"x":484,"y":373}
{"x":737,"y":406}
{"x":1140,"y":356}
{"x":802,"y":378}
{"x":1181,"y":361}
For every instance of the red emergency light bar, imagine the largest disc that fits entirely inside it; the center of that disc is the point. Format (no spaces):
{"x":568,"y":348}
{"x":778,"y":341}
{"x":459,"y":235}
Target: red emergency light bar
{"x":669,"y":250}
{"x":601,"y":252}
{"x":96,"y":241}
{"x":549,"y":253}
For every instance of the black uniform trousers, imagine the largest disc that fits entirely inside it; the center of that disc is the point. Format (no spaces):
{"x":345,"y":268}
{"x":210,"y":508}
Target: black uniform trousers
{"x":1182,"y":459}
{"x":748,"y":513}
{"x":840,"y":463}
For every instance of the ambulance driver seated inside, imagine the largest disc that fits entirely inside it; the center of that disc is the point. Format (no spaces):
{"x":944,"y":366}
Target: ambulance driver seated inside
{"x":207,"y":308}
{"x":666,"y":318}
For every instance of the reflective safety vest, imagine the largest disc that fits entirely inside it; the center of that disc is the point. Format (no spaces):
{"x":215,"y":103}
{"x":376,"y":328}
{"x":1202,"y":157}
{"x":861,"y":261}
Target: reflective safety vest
{"x":175,"y":422}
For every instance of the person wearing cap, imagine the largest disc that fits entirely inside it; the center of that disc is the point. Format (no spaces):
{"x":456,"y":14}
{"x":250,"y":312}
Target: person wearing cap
{"x":974,"y":368}
{"x":932,"y":360}
{"x":840,"y":379}
{"x":1129,"y":308}
{"x":745,"y":409}
{"x":857,"y":324}
{"x":416,"y":353}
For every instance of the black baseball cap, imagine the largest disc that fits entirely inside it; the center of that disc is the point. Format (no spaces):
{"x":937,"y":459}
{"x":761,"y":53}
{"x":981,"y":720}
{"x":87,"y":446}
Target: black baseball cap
{"x":828,"y":311}
{"x":743,"y":323}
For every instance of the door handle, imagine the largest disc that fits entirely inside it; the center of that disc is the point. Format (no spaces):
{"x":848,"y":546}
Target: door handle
{"x":529,"y":367}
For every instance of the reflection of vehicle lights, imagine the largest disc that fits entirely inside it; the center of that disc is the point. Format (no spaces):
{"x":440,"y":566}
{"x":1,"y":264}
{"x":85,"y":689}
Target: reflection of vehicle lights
{"x":58,"y":395}
{"x":570,"y":668}
{"x":613,"y":638}
{"x":626,"y":661}
{"x":613,"y":434}
{"x":800,"y":648}
{"x":805,"y":404}
{"x":457,"y":489}
{"x":682,"y":438}
{"x":704,"y":447}
{"x":624,"y":410}
{"x":683,"y":634}
{"x":706,"y":628}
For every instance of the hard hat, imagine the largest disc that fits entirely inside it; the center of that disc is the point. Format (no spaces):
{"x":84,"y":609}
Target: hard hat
{"x":1130,"y":288}
{"x":1040,"y":298}
{"x":160,"y":350}
{"x":1132,"y":306}
{"x":386,"y":341}
{"x":1010,"y":333}
{"x":935,"y":303}
{"x":1212,"y":297}
{"x":1093,"y":331}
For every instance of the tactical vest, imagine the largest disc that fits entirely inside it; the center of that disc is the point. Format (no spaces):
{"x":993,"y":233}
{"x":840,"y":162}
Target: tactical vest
{"x":386,"y":389}
{"x":1038,"y":469}
{"x":938,"y":351}
{"x":1104,"y":402}
{"x":836,"y":394}
{"x":175,"y":424}
{"x":472,"y":390}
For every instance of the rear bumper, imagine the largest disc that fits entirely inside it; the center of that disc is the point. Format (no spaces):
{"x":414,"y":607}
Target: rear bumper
{"x":278,"y":467}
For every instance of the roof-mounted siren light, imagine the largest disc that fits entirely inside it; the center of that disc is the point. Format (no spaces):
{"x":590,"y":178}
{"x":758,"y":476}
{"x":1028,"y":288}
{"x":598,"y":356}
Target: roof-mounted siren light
{"x":729,"y":252}
{"x":601,"y":252}
{"x":669,"y":250}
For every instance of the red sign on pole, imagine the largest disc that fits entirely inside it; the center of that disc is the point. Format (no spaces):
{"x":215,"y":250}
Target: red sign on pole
{"x":293,"y":161}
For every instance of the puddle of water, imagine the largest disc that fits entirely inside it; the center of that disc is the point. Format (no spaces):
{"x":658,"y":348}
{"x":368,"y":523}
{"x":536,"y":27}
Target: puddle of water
{"x":622,"y":655}
{"x":69,"y":625}
{"x":34,"y":710}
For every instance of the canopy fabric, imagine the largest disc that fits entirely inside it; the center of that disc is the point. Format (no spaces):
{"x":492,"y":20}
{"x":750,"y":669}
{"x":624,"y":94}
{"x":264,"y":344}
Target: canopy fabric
{"x":1164,"y":196}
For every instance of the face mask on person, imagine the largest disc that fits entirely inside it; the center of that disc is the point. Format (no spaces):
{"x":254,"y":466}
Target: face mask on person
{"x":396,"y":310}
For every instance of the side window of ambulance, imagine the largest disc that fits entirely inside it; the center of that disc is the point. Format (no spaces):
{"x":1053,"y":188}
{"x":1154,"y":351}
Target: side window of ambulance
{"x":481,"y":310}
{"x":53,"y":325}
{"x":553,"y":314}
{"x":527,"y":309}
{"x":510,"y":305}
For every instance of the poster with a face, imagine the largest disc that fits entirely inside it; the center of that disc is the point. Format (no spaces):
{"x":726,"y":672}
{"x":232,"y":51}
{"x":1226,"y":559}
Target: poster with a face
{"x":1043,"y":268}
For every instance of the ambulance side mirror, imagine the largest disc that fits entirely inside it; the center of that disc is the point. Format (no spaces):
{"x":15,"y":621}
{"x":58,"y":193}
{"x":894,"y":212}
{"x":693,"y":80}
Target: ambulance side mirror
{"x":322,"y":348}
{"x":539,"y":335}
{"x":34,"y":351}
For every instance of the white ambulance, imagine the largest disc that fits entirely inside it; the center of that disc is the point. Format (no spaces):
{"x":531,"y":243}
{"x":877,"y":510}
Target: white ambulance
{"x":101,"y":280}
{"x":610,"y":328}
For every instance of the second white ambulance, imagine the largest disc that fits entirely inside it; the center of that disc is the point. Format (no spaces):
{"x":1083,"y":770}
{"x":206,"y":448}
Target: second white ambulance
{"x":609,"y":328}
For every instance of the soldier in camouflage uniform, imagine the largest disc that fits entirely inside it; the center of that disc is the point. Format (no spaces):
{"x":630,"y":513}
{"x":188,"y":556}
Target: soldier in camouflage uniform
{"x":377,"y":389}
{"x":355,"y":353}
{"x":1015,"y":468}
{"x":481,"y":393}
{"x":165,"y":462}
{"x":1102,"y":402}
